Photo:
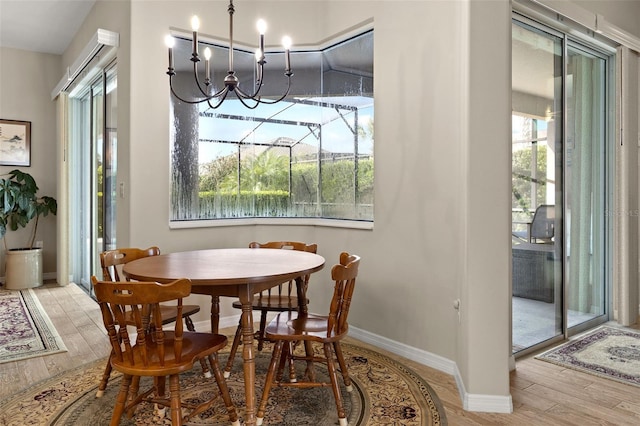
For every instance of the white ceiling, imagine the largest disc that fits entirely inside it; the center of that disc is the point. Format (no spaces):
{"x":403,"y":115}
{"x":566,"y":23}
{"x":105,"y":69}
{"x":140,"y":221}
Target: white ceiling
{"x":41,"y":25}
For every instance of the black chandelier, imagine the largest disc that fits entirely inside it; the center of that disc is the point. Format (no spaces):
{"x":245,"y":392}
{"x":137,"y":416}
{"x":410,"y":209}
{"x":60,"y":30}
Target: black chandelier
{"x":231,"y":83}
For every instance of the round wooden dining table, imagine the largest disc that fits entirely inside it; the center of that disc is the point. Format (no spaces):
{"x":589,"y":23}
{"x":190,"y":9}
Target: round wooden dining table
{"x":235,"y":272}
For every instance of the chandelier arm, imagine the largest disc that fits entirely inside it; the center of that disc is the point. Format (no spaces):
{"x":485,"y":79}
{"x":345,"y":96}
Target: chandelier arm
{"x":219,"y":93}
{"x":222,"y":95}
{"x":267,"y":102}
{"x":241,"y":94}
{"x":256,"y":95}
{"x":178,"y":97}
{"x":259,"y":83}
{"x":279,"y":99}
{"x":197,"y":100}
{"x":203,"y":91}
{"x":243,"y":100}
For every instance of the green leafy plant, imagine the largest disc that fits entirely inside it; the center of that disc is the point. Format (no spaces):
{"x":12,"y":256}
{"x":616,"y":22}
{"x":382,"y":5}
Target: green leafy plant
{"x":21,"y":204}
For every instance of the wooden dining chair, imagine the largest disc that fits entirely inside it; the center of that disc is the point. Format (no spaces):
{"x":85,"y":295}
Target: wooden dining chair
{"x":282,"y":298}
{"x":111,"y":262}
{"x":156,"y":352}
{"x":290,"y":327}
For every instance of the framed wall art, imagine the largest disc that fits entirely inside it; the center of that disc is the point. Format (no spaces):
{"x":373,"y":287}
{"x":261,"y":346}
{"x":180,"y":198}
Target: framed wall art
{"x":15,"y":143}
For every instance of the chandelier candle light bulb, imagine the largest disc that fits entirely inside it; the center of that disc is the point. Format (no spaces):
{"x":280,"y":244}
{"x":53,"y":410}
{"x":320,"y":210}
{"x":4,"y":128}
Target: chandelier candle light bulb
{"x":286,"y":43}
{"x":262,"y":29}
{"x":195,"y":26}
{"x":207,"y":66}
{"x":170,"y":42}
{"x":231,"y":83}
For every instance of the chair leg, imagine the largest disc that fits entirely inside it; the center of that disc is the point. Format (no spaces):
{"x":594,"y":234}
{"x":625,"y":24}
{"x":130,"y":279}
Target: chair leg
{"x":343,"y":366}
{"x":105,"y":378}
{"x":160,"y":385}
{"x":342,"y":416}
{"x":205,"y":368}
{"x":285,"y":356}
{"x":224,"y":391}
{"x":292,"y":366}
{"x":234,"y":349}
{"x":261,"y":332}
{"x":310,"y":371}
{"x":215,"y":314}
{"x":268,"y":382}
{"x":189,"y":323}
{"x":134,"y":388}
{"x":176,"y":410}
{"x":121,"y":401}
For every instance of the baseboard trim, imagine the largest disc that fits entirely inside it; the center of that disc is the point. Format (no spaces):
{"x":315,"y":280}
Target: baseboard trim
{"x":45,"y":277}
{"x":423,"y":357}
{"x":224,"y":322}
{"x":49,"y":276}
{"x":470,"y":402}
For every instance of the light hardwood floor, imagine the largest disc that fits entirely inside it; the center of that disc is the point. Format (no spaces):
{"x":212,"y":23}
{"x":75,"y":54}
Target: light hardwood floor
{"x":543,"y":393}
{"x":77,"y":319}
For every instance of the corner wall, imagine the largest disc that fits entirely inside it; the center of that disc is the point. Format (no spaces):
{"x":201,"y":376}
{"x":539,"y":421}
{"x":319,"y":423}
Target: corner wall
{"x":26,"y":81}
{"x":485,"y":341}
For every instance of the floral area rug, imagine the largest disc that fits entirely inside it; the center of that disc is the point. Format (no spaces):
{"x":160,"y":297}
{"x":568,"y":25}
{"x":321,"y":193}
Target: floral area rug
{"x":25,"y":329}
{"x":385,"y":393}
{"x":609,"y":352}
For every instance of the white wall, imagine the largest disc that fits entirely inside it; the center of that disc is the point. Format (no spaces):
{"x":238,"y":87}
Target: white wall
{"x":621,"y":13}
{"x":26,"y":80}
{"x":485,"y":344}
{"x":406,"y":276}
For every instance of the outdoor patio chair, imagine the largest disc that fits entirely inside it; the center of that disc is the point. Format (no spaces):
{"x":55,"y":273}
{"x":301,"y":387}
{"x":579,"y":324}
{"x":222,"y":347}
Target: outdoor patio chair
{"x":541,"y":228}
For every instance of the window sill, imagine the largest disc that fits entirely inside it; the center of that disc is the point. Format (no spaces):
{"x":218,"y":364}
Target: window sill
{"x":295,"y":221}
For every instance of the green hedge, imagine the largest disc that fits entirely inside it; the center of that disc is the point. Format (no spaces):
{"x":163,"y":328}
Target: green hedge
{"x":337,"y":193}
{"x":245,"y":204}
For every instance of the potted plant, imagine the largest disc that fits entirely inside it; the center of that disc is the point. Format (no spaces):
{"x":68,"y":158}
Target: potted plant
{"x":21,"y":205}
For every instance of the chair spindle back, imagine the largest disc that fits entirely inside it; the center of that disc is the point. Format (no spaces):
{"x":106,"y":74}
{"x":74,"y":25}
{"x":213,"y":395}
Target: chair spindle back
{"x":286,"y":245}
{"x":122,"y":302}
{"x":111,"y":261}
{"x":344,"y":275}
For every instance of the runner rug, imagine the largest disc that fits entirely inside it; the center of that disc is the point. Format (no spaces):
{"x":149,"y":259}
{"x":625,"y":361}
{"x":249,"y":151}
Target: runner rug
{"x":25,"y":329}
{"x":609,"y":352}
{"x":385,"y":393}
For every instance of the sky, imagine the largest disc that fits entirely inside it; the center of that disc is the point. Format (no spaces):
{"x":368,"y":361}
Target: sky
{"x":336,"y":135}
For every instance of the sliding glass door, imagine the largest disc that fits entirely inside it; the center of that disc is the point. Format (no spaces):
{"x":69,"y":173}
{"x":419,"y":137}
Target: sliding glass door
{"x":559,"y":186}
{"x":586,"y":186}
{"x":93,"y":156}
